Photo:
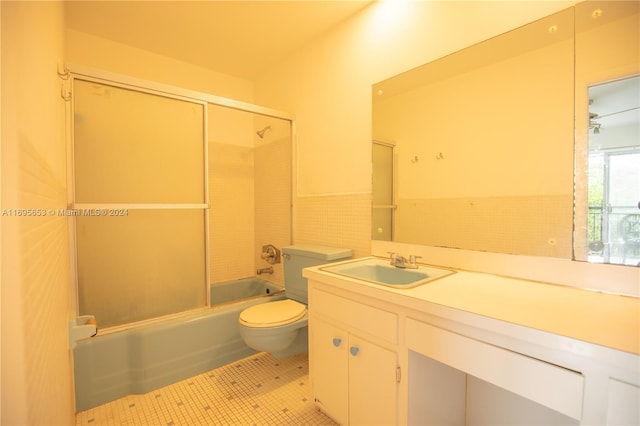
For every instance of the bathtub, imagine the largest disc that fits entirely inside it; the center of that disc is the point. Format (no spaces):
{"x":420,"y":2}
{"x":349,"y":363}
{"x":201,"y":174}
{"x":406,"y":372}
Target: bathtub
{"x":239,"y":290}
{"x":144,"y":358}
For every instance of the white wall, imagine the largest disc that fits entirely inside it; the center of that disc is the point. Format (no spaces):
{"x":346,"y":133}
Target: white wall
{"x":36,"y":368}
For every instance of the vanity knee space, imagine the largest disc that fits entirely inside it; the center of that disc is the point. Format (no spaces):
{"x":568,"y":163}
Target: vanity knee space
{"x":489,"y":378}
{"x":455,"y":379}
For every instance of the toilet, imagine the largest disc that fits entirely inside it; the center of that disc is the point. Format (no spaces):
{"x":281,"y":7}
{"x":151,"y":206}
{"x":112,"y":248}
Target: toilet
{"x":280,"y":327}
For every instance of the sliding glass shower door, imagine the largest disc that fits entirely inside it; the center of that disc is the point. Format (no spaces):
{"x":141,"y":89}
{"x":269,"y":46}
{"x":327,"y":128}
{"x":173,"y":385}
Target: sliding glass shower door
{"x":139,"y":202}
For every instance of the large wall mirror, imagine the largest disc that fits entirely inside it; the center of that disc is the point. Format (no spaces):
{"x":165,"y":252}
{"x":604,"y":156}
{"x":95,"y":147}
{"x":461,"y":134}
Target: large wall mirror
{"x":477,"y":150}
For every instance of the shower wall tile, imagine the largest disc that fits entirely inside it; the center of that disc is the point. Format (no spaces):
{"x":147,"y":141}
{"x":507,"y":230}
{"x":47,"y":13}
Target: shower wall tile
{"x":335,"y":220}
{"x":272,"y":201}
{"x":495,"y":224}
{"x":249,"y":194}
{"x":231,"y":212}
{"x":344,"y":221}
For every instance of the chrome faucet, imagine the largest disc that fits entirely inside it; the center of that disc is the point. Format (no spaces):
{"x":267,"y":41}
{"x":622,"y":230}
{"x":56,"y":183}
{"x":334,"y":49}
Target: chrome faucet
{"x":402,"y":262}
{"x":268,"y":270}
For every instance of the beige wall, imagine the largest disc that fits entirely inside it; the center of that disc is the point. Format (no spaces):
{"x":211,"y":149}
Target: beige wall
{"x":99,"y":53}
{"x":36,"y":369}
{"x":328,"y":87}
{"x":328,"y":84}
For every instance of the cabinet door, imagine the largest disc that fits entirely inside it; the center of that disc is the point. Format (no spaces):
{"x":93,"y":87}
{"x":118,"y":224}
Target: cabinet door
{"x":328,"y":368}
{"x":373,"y":387}
{"x":623,"y":403}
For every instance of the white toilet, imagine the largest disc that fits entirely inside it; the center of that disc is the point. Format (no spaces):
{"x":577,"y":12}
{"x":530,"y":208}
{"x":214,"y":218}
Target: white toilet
{"x":280,"y":327}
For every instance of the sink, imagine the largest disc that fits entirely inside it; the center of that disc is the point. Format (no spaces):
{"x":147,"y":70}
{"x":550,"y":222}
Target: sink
{"x":379,"y":271}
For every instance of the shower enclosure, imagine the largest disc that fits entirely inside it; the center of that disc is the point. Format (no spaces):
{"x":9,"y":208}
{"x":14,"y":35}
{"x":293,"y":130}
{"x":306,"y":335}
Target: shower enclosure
{"x":170,"y":191}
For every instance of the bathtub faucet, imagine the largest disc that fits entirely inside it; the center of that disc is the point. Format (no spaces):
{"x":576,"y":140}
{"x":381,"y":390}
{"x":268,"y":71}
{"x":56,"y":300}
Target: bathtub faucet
{"x":268,"y":270}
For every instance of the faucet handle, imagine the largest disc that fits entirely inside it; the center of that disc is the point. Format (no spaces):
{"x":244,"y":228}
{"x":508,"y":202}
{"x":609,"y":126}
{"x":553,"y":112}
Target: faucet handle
{"x":401,"y":262}
{"x":412,"y":259}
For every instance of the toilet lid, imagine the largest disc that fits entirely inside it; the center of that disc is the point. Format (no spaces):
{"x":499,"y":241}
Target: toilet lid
{"x":272,"y":314}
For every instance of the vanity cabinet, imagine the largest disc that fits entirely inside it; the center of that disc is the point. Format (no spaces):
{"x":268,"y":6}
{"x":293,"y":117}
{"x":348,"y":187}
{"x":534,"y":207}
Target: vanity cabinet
{"x":352,"y":359}
{"x":468,"y":353}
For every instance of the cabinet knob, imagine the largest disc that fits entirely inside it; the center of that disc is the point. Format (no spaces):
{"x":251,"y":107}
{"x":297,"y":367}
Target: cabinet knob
{"x":337,"y":341}
{"x":354,"y":350}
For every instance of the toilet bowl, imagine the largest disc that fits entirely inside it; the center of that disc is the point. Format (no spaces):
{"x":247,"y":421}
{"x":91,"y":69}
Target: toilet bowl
{"x":273,"y":326}
{"x":280,"y":327}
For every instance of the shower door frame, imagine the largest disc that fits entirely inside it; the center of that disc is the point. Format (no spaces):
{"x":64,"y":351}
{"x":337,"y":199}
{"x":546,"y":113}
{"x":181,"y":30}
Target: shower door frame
{"x":79,"y":72}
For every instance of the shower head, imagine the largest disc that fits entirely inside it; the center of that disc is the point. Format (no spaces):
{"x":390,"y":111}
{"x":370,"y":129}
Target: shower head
{"x":263,"y":131}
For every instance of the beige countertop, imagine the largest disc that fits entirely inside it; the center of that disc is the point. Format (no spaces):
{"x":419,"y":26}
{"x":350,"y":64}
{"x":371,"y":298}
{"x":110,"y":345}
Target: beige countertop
{"x":607,"y":320}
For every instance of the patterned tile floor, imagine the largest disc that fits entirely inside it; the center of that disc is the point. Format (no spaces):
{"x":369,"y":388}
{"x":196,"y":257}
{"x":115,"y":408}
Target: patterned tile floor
{"x":258,"y":390}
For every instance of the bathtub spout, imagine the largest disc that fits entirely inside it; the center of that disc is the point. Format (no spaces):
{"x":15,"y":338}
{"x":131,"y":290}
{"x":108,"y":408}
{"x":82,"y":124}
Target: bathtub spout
{"x":268,"y":270}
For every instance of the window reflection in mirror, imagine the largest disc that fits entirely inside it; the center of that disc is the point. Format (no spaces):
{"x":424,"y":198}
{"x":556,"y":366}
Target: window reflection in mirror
{"x":607,"y":135}
{"x":613,"y":226}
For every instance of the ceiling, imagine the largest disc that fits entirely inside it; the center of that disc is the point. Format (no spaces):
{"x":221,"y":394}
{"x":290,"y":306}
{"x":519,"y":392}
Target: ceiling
{"x":617,"y":108}
{"x":616,"y":103}
{"x":239,"y":38}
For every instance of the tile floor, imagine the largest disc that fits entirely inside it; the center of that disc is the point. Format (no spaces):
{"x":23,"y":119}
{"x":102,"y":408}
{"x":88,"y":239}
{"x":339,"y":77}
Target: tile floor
{"x":258,"y":390}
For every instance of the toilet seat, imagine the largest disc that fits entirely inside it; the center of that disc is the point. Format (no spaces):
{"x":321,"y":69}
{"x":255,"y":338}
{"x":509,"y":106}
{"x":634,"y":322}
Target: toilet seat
{"x":273,"y":314}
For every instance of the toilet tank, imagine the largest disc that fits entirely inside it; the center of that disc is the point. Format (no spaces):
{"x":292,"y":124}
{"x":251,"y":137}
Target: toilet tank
{"x":300,"y":256}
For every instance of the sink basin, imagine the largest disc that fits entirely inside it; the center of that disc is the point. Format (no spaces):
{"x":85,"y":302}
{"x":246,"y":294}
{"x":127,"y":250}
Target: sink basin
{"x":379,"y":271}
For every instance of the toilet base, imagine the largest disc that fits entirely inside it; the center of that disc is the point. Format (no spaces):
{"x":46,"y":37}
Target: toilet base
{"x":299,"y":345}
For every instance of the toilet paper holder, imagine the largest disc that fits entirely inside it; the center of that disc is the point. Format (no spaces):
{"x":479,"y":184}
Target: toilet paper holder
{"x":82,"y":327}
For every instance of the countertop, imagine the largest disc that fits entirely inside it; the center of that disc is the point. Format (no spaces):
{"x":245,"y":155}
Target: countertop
{"x":607,"y":320}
